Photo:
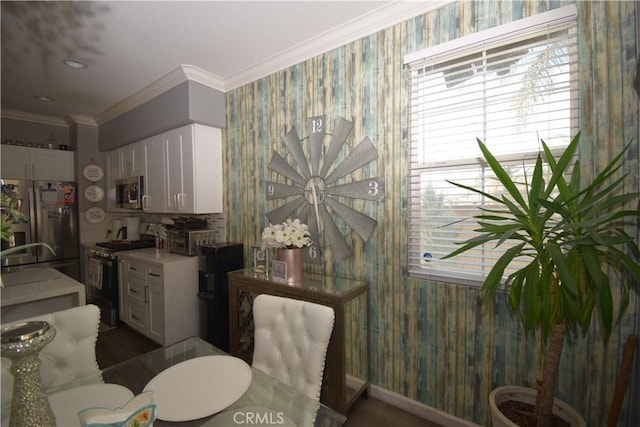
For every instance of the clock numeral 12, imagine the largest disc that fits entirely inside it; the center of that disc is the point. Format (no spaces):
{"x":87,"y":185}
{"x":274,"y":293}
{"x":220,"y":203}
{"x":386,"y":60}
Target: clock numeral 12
{"x":317,"y":125}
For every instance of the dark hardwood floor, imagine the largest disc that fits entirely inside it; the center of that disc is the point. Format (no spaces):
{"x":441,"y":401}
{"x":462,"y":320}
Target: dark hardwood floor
{"x":122,"y":343}
{"x":119,"y":344}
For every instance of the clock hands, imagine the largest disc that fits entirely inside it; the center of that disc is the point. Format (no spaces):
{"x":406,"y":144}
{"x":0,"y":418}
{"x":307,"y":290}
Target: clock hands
{"x":315,"y":203}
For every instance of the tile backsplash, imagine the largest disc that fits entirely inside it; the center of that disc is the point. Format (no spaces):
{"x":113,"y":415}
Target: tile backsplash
{"x":99,"y":232}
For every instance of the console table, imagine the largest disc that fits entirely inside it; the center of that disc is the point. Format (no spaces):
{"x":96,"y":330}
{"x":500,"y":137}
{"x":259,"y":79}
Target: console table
{"x":346,"y":371}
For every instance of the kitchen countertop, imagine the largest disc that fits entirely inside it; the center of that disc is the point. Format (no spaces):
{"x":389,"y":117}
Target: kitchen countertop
{"x":35,"y":285}
{"x":160,"y":256}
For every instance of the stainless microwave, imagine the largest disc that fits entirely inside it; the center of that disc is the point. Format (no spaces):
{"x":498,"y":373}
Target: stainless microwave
{"x":129,"y":192}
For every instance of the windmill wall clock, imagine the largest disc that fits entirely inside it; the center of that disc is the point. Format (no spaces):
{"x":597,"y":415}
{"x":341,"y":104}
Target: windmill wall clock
{"x":317,"y":184}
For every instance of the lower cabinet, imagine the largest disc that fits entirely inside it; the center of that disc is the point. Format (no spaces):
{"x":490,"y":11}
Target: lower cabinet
{"x":158,"y":297}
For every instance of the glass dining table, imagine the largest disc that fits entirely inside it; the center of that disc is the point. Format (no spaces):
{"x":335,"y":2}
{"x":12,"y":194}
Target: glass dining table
{"x":267,"y":401}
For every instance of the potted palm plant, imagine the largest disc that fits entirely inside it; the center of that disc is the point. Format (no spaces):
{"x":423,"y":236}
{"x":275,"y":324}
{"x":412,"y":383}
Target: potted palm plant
{"x":577,"y":256}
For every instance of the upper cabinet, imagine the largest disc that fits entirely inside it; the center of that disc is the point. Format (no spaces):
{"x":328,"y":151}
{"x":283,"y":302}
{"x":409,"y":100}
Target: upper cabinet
{"x":133,"y":162}
{"x":154,"y":183}
{"x":113,"y":173}
{"x":36,"y":163}
{"x":181,"y":169}
{"x":125,"y":162}
{"x":194,"y":169}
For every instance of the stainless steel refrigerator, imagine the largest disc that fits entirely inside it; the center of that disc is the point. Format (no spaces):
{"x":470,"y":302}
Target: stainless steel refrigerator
{"x":51,"y":211}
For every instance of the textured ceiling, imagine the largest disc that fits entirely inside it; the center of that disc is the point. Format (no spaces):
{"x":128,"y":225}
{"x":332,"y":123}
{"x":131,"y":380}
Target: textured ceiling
{"x":129,"y":45}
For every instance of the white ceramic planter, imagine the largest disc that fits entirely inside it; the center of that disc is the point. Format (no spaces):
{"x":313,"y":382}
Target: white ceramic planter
{"x":528,"y":395}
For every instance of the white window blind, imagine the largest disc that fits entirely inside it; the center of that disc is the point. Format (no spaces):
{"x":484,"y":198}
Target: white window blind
{"x":509,"y":87}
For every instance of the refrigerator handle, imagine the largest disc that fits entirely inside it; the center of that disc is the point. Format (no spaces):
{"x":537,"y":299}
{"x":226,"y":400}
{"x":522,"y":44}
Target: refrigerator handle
{"x":31,"y":197}
{"x":33,"y":171}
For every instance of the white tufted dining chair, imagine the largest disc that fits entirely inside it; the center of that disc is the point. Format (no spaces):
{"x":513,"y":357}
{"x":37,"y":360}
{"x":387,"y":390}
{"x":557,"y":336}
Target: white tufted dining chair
{"x":71,"y":354}
{"x":291,"y":340}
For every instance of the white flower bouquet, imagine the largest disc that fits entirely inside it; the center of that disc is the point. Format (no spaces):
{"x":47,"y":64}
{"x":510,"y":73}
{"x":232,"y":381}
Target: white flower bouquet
{"x":289,"y":234}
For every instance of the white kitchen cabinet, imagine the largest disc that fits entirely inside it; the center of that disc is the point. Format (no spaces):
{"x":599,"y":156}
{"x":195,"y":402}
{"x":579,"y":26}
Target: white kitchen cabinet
{"x":125,"y":162}
{"x":158,"y":293}
{"x":36,"y":163}
{"x":113,"y":173}
{"x":194,"y":169}
{"x":133,"y":162}
{"x":156,"y":312}
{"x":182,"y":170}
{"x":15,"y":162}
{"x":154,"y":193}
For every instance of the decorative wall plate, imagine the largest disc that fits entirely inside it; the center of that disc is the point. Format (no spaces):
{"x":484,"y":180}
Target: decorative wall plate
{"x":94,"y":215}
{"x":94,"y":193}
{"x":93,"y":173}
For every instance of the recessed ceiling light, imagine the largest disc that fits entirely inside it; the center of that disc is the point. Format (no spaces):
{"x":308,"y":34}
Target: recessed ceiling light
{"x":73,"y":63}
{"x":43,"y":98}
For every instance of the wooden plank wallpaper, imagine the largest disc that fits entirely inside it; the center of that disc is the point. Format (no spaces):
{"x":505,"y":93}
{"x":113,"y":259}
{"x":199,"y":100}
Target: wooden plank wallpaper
{"x":436,"y":343}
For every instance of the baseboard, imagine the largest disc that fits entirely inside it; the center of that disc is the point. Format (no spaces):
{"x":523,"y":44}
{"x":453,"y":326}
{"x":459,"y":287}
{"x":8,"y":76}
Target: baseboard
{"x":417,"y":408}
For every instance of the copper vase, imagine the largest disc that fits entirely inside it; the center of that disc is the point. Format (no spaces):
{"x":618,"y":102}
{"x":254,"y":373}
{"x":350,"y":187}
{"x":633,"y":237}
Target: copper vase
{"x":294,"y":259}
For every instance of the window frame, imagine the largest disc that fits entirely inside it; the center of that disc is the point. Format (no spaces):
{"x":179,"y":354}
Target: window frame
{"x":460,"y":48}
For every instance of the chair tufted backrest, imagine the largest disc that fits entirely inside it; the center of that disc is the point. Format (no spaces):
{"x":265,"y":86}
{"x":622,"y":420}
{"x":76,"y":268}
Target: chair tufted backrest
{"x":291,"y":340}
{"x":71,"y":354}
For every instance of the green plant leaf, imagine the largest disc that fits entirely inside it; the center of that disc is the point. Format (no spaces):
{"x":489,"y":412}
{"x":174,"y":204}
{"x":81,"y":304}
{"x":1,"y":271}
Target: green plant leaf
{"x":560,"y":167}
{"x":469,"y":244}
{"x":475,"y":190}
{"x":531,"y":302}
{"x":502,"y":175}
{"x":537,"y":187}
{"x":572,"y":232}
{"x":23,"y":247}
{"x":606,"y":308}
{"x":494,"y":278}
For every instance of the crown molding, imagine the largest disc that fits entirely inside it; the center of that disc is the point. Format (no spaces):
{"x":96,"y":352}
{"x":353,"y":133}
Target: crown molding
{"x":176,"y":76}
{"x":30,"y":117}
{"x":204,"y":77}
{"x":379,"y":19}
{"x":79,"y":119}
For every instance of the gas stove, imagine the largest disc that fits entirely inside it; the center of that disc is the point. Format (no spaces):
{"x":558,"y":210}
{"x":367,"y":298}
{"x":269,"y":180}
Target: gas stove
{"x":109,"y":248}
